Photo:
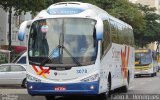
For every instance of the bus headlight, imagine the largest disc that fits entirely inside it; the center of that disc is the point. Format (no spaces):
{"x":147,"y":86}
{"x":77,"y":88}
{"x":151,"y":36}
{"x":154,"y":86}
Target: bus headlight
{"x":31,"y":78}
{"x":91,"y":78}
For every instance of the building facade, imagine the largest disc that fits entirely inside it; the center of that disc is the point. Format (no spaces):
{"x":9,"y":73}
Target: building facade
{"x":15,"y":23}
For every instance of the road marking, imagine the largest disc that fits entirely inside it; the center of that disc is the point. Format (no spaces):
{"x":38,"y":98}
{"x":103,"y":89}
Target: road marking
{"x":13,"y":91}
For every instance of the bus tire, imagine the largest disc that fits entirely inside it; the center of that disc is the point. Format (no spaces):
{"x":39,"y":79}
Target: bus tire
{"x":50,"y":97}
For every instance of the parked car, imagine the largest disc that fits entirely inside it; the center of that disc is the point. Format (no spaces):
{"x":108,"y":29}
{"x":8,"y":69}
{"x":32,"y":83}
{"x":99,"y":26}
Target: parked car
{"x":13,"y":74}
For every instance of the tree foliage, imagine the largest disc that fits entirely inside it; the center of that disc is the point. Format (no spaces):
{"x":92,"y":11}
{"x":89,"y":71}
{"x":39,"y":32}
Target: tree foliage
{"x":151,"y":31}
{"x":23,"y":5}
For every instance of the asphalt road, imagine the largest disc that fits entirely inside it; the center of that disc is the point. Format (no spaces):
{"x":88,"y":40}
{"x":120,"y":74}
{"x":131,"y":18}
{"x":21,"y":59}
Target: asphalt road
{"x":141,"y":88}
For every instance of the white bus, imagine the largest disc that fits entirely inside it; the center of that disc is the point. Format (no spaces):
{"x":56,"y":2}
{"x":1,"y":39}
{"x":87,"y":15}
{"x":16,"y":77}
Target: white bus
{"x":145,"y":62}
{"x":78,"y":48}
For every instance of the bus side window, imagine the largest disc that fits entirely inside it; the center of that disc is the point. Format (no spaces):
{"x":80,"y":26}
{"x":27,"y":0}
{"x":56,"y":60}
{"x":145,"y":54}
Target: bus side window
{"x":114,"y":31}
{"x":131,"y":37}
{"x":106,"y":41}
{"x":120,"y":33}
{"x":127,"y":38}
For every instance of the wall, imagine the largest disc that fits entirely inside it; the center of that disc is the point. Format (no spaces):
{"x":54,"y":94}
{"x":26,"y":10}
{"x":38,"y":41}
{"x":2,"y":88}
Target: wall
{"x":3,"y":21}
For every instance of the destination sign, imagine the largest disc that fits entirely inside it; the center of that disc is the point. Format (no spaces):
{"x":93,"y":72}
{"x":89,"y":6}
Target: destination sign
{"x":64,"y":11}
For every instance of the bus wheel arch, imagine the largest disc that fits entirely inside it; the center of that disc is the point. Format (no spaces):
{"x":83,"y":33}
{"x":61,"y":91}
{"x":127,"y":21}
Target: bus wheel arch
{"x":109,"y":84}
{"x":106,"y":94}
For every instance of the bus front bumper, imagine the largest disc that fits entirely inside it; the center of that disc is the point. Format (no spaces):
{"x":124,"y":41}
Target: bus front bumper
{"x":83,"y":88}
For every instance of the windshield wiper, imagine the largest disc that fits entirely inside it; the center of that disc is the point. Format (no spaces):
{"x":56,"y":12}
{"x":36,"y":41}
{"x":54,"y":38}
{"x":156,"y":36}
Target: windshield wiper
{"x":51,"y":56}
{"x":74,"y":59}
{"x":60,"y":47}
{"x":52,"y":53}
{"x":55,"y":50}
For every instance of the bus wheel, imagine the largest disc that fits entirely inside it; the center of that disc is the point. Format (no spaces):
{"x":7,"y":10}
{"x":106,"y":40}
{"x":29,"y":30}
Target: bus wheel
{"x":49,"y":97}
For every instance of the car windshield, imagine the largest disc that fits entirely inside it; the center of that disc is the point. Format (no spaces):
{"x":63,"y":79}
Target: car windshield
{"x":63,"y":41}
{"x":143,"y":58}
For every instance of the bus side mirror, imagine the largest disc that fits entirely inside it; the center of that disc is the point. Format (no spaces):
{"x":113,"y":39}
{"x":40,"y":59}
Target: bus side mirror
{"x":99,"y":29}
{"x":22,"y":30}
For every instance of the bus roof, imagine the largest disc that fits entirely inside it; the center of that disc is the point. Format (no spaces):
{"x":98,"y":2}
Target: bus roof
{"x":76,"y":9}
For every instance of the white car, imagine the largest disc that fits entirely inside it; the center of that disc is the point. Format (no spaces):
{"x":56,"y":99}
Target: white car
{"x":13,"y":74}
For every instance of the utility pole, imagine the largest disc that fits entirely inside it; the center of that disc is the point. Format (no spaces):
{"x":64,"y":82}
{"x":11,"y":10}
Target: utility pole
{"x":9,"y":34}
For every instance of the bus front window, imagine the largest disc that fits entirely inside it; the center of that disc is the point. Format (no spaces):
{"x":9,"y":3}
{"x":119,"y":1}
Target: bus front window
{"x":143,"y":58}
{"x":63,"y":41}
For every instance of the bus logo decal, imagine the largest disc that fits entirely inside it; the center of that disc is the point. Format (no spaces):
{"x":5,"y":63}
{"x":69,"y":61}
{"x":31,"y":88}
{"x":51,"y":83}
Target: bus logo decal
{"x":125,"y":59}
{"x":81,"y":71}
{"x":42,"y":72}
{"x":55,"y":73}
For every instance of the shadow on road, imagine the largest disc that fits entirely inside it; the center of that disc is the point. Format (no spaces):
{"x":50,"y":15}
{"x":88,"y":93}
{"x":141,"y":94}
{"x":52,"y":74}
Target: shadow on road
{"x":80,"y":98}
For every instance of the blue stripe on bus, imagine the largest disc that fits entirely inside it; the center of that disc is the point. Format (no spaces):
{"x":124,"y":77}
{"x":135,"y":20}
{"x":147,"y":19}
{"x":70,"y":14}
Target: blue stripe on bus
{"x":82,"y":88}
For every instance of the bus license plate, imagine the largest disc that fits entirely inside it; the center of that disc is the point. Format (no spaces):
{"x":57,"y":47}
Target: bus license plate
{"x":60,"y":88}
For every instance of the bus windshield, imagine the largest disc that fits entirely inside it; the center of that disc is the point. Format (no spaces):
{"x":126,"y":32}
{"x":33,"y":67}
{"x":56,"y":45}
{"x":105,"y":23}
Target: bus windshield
{"x":63,"y":41}
{"x":143,"y":58}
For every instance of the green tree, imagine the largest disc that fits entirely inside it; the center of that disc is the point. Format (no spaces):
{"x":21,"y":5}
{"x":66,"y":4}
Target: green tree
{"x":151,"y":31}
